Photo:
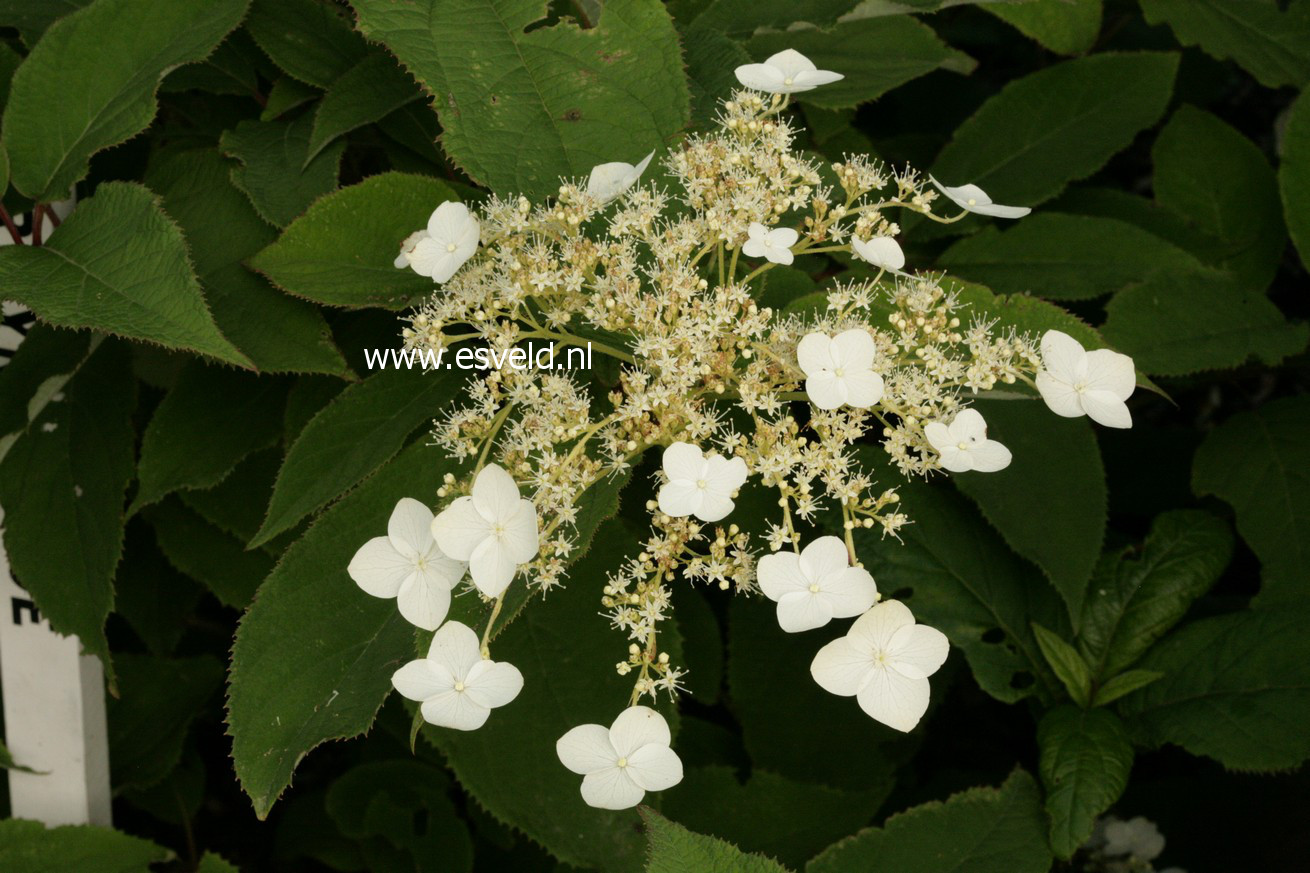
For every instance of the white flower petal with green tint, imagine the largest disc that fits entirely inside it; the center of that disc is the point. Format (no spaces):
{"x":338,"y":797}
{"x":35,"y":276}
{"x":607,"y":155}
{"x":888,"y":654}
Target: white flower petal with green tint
{"x":456,"y":687}
{"x":624,"y":761}
{"x":787,"y":72}
{"x":699,"y":485}
{"x":839,"y":370}
{"x":1075,"y":382}
{"x":971,"y":198}
{"x":815,"y":586}
{"x":407,"y":564}
{"x":495,"y":530}
{"x":963,"y":445}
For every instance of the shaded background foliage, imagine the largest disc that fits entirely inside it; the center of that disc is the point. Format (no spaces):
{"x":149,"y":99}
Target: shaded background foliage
{"x":229,"y":449}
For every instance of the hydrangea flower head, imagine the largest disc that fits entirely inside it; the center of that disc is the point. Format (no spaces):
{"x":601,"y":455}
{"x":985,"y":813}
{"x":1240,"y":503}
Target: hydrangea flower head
{"x":963,"y":445}
{"x":407,"y":564}
{"x":699,"y":485}
{"x":1075,"y":382}
{"x":457,"y":687}
{"x":787,"y":72}
{"x":451,"y":238}
{"x":816,"y":586}
{"x":619,"y":764}
{"x":839,"y":370}
{"x":772,"y":245}
{"x":973,"y":199}
{"x":494,"y":530}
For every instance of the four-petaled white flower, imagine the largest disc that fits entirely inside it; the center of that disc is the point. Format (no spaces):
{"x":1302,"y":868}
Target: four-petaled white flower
{"x":884,"y":661}
{"x":699,"y":485}
{"x":450,"y":239}
{"x":408,"y":565}
{"x":816,"y":586}
{"x":495,"y":530}
{"x":1138,"y":838}
{"x":619,"y":764}
{"x":787,"y":72}
{"x":1076,"y":382}
{"x":608,"y":181}
{"x":971,"y":198}
{"x":963,"y":444}
{"x":881,"y":251}
{"x":772,"y":245}
{"x":458,"y":688}
{"x":839,"y":370}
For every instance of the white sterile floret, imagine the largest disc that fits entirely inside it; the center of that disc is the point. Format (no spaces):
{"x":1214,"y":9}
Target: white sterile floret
{"x":1138,"y":837}
{"x":451,"y":239}
{"x":407,"y":248}
{"x":881,"y":251}
{"x":816,"y":586}
{"x":963,"y":444}
{"x":1076,"y":382}
{"x":971,"y":198}
{"x":772,"y":245}
{"x":619,"y":764}
{"x":787,"y":72}
{"x":407,"y":564}
{"x":495,"y":530}
{"x":839,"y":370}
{"x":458,"y":688}
{"x":699,"y":485}
{"x":608,"y":181}
{"x":884,"y":661}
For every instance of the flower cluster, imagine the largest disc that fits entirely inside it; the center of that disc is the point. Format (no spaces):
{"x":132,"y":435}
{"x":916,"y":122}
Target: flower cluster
{"x":733,"y":393}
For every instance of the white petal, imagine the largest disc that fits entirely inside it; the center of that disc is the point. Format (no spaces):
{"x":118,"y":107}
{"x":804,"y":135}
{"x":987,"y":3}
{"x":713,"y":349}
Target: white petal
{"x":851,"y":592}
{"x":881,"y":251}
{"x":853,"y":350}
{"x":714,"y":505}
{"x":729,"y":474}
{"x":938,"y":436}
{"x":433,"y":260}
{"x":456,"y":647}
{"x":608,"y":181}
{"x":996,"y":210}
{"x":611,"y":788}
{"x":520,"y":535}
{"x":466,"y":244}
{"x":918,"y":650}
{"x":683,"y":461}
{"x":1110,"y":371}
{"x":874,"y":629}
{"x":761,"y":77}
{"x":642,"y":165}
{"x":421,"y":679}
{"x":492,"y":567}
{"x":586,"y":749}
{"x":638,"y":726}
{"x":494,"y":494}
{"x":453,"y":709}
{"x":803,"y":610}
{"x":790,"y":62}
{"x":864,"y":388}
{"x":814,"y":353}
{"x":1063,"y":357}
{"x":1104,"y":408}
{"x":410,"y":528}
{"x":1060,"y":397}
{"x":449,"y":221}
{"x":655,"y":767}
{"x":460,"y":529}
{"x":989,"y":456}
{"x":811,"y":79}
{"x":779,"y":574}
{"x":754,"y":248}
{"x":424,"y":600}
{"x":680,"y":499}
{"x":969,"y":425}
{"x":379,"y":569}
{"x":823,"y":558}
{"x":954,"y":459}
{"x":492,"y":683}
{"x":841,"y":668}
{"x":825,"y":390}
{"x":780,"y":255}
{"x":784,"y":237}
{"x":894,"y":699}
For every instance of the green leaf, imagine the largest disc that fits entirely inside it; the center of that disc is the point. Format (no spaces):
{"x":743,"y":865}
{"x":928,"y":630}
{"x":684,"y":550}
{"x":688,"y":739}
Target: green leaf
{"x":232,"y":68}
{"x":148,"y":721}
{"x":1218,"y":181}
{"x":742,"y":17}
{"x":1085,"y":761}
{"x":7,"y":762}
{"x":32,"y":19}
{"x":153,"y":598}
{"x":1236,"y":688}
{"x":1050,"y":504}
{"x":1067,"y":664}
{"x":1174,"y":324}
{"x":803,"y":818}
{"x":236,"y":505}
{"x":521,"y":108}
{"x":210,"y":420}
{"x":711,"y":59}
{"x":1064,"y":257}
{"x":1137,"y":595}
{"x":674,"y":849}
{"x":208,"y":555}
{"x":51,"y":138}
{"x":958,"y":576}
{"x":286,"y":94}
{"x":47,"y":360}
{"x":310,"y":39}
{"x":1125,"y":683}
{"x":357,"y":432}
{"x":564,"y":650}
{"x":874,"y":54}
{"x":211,"y":862}
{"x":1066,"y":27}
{"x":367,"y":92}
{"x":1294,"y":175}
{"x":1259,"y":462}
{"x":1057,"y":125}
{"x":62,"y":485}
{"x":982,"y":830}
{"x":31,"y":847}
{"x":277,"y":173}
{"x":341,"y":252}
{"x":1269,"y":42}
{"x":222,"y":229}
{"x":117,"y":264}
